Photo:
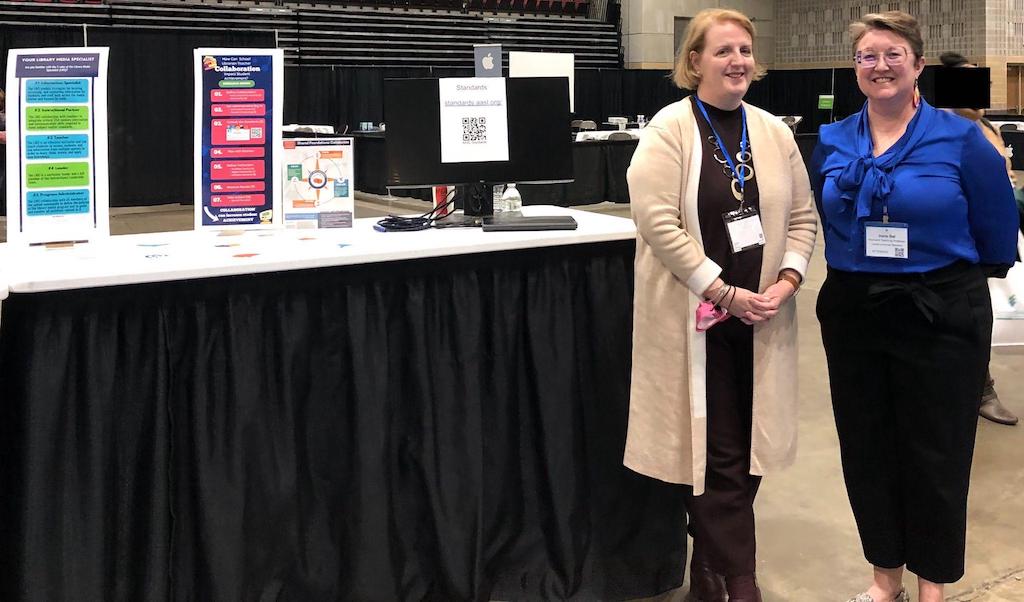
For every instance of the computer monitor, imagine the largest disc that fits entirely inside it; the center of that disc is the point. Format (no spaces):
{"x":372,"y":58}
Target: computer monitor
{"x":539,"y":139}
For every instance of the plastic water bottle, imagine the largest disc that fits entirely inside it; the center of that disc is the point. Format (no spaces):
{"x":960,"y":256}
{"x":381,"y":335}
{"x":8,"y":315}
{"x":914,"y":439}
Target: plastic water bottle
{"x":511,"y":199}
{"x":498,"y":202}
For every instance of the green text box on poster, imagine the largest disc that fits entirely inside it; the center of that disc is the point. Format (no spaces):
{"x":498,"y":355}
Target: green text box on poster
{"x":826,"y":101}
{"x":53,"y":175}
{"x":42,"y":119}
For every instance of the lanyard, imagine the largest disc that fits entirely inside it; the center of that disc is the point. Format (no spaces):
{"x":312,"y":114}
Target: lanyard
{"x":728,"y":156}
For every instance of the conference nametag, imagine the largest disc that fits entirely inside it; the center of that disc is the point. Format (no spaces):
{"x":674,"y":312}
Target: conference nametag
{"x":744,"y":229}
{"x":886,"y":239}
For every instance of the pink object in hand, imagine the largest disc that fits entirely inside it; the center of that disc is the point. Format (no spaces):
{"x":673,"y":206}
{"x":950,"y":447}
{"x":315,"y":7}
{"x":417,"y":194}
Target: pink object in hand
{"x":708,"y":315}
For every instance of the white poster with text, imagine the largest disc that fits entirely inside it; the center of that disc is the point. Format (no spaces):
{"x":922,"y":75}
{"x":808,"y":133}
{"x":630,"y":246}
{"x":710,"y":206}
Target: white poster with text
{"x":57,"y":187}
{"x":474,"y":119}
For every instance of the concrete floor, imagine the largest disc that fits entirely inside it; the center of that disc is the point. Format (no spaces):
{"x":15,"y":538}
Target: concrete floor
{"x":808,"y":546}
{"x":808,"y":549}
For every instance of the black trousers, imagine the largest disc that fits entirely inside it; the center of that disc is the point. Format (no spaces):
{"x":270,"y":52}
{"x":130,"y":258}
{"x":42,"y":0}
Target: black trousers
{"x":722,"y":518}
{"x":907,"y":356}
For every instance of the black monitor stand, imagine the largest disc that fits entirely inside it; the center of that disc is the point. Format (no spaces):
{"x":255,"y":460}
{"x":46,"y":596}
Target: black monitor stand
{"x":478,"y":199}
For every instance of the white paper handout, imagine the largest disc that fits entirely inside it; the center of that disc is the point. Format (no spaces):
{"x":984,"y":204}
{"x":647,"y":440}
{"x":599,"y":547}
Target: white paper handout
{"x":474,"y":119}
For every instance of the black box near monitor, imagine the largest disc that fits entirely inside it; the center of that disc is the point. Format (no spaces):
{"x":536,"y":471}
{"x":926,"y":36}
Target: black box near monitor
{"x":539,"y":140}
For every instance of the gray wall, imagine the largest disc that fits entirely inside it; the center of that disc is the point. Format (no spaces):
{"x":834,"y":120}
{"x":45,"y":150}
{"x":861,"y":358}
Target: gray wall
{"x":649,"y":28}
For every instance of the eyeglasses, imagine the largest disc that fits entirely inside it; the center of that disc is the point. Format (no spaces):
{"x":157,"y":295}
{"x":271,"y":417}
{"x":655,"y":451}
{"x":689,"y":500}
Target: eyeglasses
{"x":868,"y":59}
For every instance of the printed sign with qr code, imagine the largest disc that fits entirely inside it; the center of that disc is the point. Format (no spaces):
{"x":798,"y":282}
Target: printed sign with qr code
{"x":474,"y":130}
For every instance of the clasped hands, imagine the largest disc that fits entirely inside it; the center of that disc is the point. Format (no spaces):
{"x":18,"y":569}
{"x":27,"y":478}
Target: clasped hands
{"x":748,"y":306}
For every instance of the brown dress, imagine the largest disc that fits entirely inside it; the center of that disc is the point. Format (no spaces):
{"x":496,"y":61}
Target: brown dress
{"x":722,"y":518}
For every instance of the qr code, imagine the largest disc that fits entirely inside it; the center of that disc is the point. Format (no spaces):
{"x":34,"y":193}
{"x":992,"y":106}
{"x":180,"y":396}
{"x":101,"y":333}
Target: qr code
{"x":899,"y":252}
{"x":255,"y":133}
{"x":474,"y":130}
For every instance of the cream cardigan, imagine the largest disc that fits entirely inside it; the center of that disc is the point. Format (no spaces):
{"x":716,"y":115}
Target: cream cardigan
{"x":666,"y":438}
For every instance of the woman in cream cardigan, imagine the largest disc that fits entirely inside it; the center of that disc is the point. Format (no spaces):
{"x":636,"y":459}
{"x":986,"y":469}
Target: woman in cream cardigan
{"x":724,"y":215}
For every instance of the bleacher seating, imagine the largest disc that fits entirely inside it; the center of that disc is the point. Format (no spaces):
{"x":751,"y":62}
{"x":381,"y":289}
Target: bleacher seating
{"x":358,"y":34}
{"x":566,"y":7}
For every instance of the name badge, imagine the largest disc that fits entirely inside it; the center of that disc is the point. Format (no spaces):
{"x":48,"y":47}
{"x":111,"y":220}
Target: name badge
{"x":886,"y":239}
{"x":744,"y":229}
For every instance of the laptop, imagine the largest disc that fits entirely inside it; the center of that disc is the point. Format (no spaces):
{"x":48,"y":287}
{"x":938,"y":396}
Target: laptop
{"x":507,"y":223}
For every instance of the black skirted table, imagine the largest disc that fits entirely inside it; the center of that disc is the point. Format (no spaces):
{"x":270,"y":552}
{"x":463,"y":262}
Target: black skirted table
{"x":340,"y":415}
{"x":371,"y":161}
{"x":599,"y":165}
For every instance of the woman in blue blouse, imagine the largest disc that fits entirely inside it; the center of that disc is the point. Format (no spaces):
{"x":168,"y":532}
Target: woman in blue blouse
{"x":917,"y":209}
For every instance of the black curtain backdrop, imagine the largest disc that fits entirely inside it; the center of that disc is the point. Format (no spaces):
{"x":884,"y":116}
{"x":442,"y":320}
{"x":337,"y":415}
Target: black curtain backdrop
{"x":151,"y":101}
{"x":346,"y":96}
{"x":796,"y":93}
{"x":151,"y":109}
{"x":23,"y":36}
{"x":31,"y":36}
{"x":445,"y":429}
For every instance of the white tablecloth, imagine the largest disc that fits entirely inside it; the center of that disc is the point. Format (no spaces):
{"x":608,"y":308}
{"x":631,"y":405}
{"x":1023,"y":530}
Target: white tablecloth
{"x":603,"y":134}
{"x":140,"y":258}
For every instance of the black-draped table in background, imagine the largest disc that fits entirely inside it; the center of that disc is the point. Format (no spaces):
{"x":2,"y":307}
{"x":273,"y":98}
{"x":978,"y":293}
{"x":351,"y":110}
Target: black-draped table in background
{"x":599,"y":166}
{"x":341,"y":415}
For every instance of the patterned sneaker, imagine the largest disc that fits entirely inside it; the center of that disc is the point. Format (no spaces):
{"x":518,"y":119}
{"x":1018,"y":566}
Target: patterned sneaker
{"x":901,"y":596}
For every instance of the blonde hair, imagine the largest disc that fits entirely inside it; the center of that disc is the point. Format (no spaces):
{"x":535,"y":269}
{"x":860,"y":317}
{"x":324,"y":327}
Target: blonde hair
{"x":896,"y":21}
{"x":683,"y":74}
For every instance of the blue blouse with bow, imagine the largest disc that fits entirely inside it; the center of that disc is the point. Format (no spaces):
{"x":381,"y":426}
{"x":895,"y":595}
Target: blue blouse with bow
{"x":942,"y":177}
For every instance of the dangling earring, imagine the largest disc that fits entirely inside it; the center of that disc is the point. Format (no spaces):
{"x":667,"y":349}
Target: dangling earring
{"x":917,"y":95}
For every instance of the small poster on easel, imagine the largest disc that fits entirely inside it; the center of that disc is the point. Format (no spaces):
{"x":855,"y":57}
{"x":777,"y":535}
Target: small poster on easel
{"x":319,"y":191}
{"x":57,"y":187}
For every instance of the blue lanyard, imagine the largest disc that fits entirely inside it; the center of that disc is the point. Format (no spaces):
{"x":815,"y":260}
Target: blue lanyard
{"x":721,"y":144}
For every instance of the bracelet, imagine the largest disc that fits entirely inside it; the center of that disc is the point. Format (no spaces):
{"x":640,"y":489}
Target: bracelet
{"x":790,"y":279}
{"x":729,"y":289}
{"x":716,"y":295}
{"x":721,"y":293}
{"x":728,"y":307}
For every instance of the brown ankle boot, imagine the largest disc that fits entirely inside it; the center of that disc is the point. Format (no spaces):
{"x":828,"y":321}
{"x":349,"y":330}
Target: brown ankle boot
{"x":993,"y":409}
{"x":743,"y":589}
{"x":705,"y":584}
